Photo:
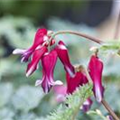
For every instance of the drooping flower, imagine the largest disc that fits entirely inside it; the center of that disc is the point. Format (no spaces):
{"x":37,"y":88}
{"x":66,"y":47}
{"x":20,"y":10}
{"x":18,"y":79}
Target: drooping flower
{"x":95,"y":70}
{"x":76,"y":81}
{"x":64,"y":57}
{"x":37,"y":54}
{"x":40,"y":38}
{"x":48,"y":62}
{"x":73,"y":82}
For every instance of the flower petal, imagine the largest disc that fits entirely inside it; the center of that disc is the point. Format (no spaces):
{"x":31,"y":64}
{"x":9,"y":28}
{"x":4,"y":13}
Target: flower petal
{"x":60,"y":92}
{"x":38,"y":82}
{"x":38,"y":40}
{"x":64,"y":57}
{"x":18,"y":51}
{"x":86,"y":105}
{"x":58,"y":82}
{"x":76,"y":81}
{"x":39,"y":37}
{"x":48,"y":62}
{"x":32,"y":66}
{"x":95,"y":71}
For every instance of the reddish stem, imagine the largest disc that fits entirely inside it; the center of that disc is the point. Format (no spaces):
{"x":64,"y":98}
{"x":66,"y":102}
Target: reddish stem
{"x":78,"y":34}
{"x":108,"y":108}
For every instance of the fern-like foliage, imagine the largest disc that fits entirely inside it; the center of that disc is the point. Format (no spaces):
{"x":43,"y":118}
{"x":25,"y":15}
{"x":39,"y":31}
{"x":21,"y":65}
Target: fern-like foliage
{"x":110,"y":47}
{"x":73,"y":104}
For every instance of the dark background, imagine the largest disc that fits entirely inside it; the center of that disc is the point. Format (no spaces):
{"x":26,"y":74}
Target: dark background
{"x":90,"y":12}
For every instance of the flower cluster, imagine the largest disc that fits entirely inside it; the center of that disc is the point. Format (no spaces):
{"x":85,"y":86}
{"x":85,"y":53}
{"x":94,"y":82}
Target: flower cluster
{"x":95,"y":68}
{"x":39,"y":52}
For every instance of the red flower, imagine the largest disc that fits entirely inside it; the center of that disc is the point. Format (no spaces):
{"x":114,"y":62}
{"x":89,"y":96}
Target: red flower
{"x":95,"y":71}
{"x":48,"y":62}
{"x":73,"y":82}
{"x":37,"y":54}
{"x":76,"y":81}
{"x":64,"y":57}
{"x":40,"y":38}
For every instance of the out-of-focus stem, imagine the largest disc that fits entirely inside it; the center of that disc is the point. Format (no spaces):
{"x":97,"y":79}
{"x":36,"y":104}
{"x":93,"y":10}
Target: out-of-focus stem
{"x":108,"y":108}
{"x":78,"y":34}
{"x":117,"y":29}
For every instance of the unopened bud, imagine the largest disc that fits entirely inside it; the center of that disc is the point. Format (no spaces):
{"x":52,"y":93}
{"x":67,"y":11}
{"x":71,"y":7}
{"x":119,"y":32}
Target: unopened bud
{"x":98,"y":112}
{"x":94,"y":49}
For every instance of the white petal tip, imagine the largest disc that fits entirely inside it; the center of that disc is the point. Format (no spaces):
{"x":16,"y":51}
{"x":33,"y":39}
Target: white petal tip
{"x":21,"y":61}
{"x":18,"y":51}
{"x":38,"y":82}
{"x":46,"y":91}
{"x":71,"y":73}
{"x":30,"y":71}
{"x":58,"y":82}
{"x":49,"y":32}
{"x":14,"y":51}
{"x":27,"y":75}
{"x":93,"y":49}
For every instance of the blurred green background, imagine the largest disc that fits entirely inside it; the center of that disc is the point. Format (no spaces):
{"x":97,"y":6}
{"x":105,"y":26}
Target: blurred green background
{"x":19,"y":98}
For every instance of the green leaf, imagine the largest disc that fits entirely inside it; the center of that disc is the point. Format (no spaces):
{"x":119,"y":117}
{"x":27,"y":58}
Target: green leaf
{"x":9,"y":28}
{"x":6,"y":91}
{"x":97,"y":113}
{"x":6,"y":114}
{"x":110,"y":47}
{"x":27,"y":98}
{"x":74,"y":102}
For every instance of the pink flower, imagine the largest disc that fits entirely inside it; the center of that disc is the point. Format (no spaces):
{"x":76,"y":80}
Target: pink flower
{"x":40,"y":38}
{"x":64,"y":57}
{"x":60,"y":92}
{"x":37,"y":54}
{"x":48,"y":62}
{"x":95,"y":70}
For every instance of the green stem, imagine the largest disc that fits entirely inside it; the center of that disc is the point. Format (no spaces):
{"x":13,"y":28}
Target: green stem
{"x":77,"y":110}
{"x":78,"y":34}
